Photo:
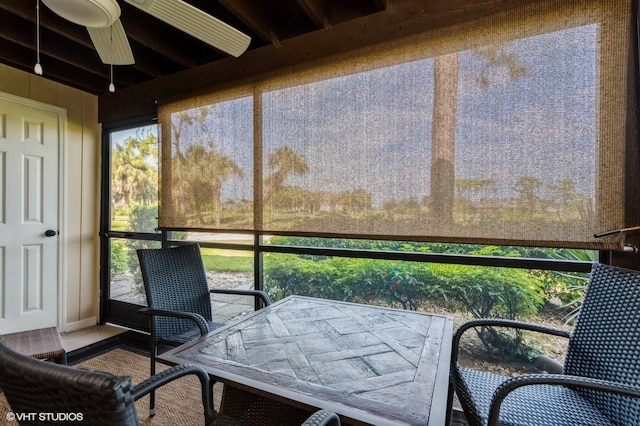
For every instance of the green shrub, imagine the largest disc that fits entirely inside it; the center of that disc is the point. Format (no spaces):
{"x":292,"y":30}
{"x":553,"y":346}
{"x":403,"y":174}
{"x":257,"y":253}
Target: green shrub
{"x":482,"y":291}
{"x":496,"y":292}
{"x":118,"y":257}
{"x":143,"y":218}
{"x":285,"y":275}
{"x":357,"y":280}
{"x":492,"y":292}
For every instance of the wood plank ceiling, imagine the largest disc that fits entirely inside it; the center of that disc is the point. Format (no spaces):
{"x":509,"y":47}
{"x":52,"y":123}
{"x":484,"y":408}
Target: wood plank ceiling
{"x":68,"y":56}
{"x":168,"y":61}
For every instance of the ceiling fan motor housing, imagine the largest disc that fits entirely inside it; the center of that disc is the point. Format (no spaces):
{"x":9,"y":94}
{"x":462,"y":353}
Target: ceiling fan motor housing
{"x":88,"y":13}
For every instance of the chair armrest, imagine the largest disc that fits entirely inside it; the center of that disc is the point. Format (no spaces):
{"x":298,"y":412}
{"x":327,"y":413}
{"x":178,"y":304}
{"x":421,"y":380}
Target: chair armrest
{"x":255,"y":293}
{"x":555,"y":379}
{"x":154,"y":382}
{"x":322,"y":418}
{"x":197,"y":318}
{"x":497,"y":322}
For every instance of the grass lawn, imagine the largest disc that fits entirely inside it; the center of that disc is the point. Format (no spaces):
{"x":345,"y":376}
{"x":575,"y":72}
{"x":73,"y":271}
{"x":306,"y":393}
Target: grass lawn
{"x":227,"y":260}
{"x":120,"y":223}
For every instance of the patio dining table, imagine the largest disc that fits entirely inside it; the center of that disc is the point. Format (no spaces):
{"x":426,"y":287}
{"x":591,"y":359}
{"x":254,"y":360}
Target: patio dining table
{"x":369,"y":364}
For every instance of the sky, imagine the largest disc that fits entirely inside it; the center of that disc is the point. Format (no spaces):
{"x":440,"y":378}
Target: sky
{"x":354,"y":130}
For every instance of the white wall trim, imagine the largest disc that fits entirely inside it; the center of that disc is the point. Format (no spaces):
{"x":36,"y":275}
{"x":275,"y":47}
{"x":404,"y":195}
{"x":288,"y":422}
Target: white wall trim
{"x":78,"y":325}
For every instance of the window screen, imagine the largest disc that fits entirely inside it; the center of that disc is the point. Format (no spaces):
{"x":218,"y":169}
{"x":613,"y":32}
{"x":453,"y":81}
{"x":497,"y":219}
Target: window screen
{"x":513,"y":129}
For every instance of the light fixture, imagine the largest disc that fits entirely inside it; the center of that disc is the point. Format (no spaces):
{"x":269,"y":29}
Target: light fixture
{"x":112,"y":87}
{"x":37,"y":68}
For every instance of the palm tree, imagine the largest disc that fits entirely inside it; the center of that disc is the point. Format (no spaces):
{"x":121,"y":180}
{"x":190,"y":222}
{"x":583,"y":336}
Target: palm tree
{"x":224,"y":167}
{"x":528,"y":189}
{"x":181,"y":121}
{"x":496,"y":56}
{"x":134,"y":177}
{"x":446,"y":69}
{"x":443,"y":129}
{"x":564,"y":192}
{"x":283,"y":161}
{"x":474,"y":188}
{"x":205,"y":171}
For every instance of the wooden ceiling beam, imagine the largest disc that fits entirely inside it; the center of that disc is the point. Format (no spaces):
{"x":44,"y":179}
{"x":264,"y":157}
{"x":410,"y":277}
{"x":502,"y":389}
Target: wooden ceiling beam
{"x":53,"y":69}
{"x":406,"y":18}
{"x":317,"y":12}
{"x":48,"y":20}
{"x":149,"y":37}
{"x":249,"y":15}
{"x":69,"y":37}
{"x":52,"y":46}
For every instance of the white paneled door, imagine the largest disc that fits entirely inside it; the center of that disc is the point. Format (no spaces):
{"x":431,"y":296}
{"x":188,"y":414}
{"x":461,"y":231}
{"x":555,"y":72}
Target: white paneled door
{"x":30,"y":141}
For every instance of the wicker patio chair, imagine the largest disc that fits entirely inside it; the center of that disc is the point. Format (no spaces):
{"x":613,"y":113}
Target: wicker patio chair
{"x":37,"y":389}
{"x":243,"y":408}
{"x":600,"y":378}
{"x":42,"y":343}
{"x":323,"y":418}
{"x":317,"y":418}
{"x":179,"y":298}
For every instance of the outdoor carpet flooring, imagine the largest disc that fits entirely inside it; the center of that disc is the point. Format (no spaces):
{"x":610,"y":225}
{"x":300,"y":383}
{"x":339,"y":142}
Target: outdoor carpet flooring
{"x":177,"y":403}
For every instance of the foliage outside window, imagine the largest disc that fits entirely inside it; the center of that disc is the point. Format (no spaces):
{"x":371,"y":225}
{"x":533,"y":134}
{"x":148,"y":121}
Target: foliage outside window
{"x":470,"y":290}
{"x":134,"y":179}
{"x":464,"y":290}
{"x":134,"y":206}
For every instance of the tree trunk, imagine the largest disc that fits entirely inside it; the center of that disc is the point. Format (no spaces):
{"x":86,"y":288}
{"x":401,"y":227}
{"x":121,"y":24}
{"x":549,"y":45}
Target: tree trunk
{"x":443,"y":138}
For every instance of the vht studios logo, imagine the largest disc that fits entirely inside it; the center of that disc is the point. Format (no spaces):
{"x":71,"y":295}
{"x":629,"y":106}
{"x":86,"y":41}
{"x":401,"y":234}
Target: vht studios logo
{"x":45,"y":417}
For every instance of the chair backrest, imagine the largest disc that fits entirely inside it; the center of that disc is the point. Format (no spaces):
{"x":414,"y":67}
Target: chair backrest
{"x":36,"y":389}
{"x":175,"y":279}
{"x":606,"y":338}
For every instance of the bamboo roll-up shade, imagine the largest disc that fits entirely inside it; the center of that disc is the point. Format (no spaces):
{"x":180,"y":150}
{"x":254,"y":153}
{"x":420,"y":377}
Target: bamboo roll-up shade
{"x":513,"y":129}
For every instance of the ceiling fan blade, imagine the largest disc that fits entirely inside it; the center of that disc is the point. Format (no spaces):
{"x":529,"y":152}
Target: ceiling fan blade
{"x":196,"y":23}
{"x":112,"y":44}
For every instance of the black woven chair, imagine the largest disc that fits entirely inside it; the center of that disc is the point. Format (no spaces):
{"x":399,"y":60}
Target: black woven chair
{"x":239,"y":407}
{"x":273,"y":413}
{"x":179,"y":298}
{"x":600,"y":380}
{"x":36,"y":387}
{"x":41,"y":343}
{"x":323,"y":418}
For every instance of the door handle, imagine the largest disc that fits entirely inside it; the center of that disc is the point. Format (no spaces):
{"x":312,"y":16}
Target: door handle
{"x":50,"y":233}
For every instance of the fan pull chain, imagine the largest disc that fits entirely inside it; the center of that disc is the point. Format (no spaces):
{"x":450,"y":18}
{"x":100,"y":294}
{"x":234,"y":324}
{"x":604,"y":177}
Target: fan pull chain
{"x":112,"y":87}
{"x":37,"y":68}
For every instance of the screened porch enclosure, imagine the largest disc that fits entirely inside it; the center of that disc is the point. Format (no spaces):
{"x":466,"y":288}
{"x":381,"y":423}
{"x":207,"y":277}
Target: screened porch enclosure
{"x":464,"y":169}
{"x":510,"y":131}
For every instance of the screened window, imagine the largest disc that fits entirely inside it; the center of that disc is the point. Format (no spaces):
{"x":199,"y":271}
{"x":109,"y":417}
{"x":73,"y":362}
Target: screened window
{"x":509,"y":130}
{"x":133,"y":207}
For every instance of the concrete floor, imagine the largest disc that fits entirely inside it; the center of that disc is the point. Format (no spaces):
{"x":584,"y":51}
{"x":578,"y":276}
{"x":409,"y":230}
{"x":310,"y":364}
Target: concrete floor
{"x":88,"y":336}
